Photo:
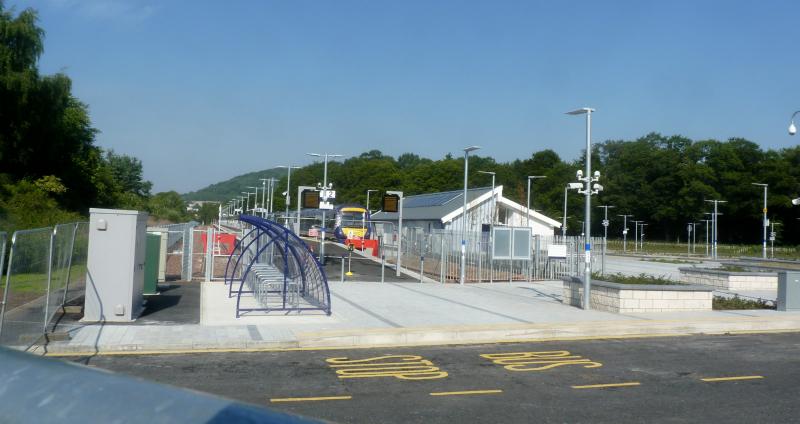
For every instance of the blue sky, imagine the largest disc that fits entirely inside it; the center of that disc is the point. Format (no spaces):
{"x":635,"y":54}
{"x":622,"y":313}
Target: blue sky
{"x":202,"y":91}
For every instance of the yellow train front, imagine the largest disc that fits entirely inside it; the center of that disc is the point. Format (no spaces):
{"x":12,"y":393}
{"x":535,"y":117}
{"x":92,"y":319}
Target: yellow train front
{"x":352,"y":222}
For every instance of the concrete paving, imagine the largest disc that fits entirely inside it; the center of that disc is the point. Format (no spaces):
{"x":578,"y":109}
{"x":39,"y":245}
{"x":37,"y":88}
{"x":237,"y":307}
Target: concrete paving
{"x":375,"y":314}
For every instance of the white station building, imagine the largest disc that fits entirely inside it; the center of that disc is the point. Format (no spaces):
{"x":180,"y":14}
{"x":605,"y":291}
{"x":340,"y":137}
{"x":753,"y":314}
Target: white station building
{"x":445,"y":210}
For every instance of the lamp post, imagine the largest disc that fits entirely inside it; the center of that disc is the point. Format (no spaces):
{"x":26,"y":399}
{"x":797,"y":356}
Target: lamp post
{"x":764,"y":222}
{"x":255,"y":199}
{"x":625,"y":232}
{"x":464,"y":214}
{"x":247,"y":202}
{"x":528,"y":203}
{"x":287,"y":199}
{"x":706,"y":222}
{"x":569,"y":186}
{"x":641,"y":236}
{"x":324,"y":198}
{"x":715,"y":227}
{"x":636,"y":235}
{"x":605,"y":236}
{"x":588,"y":191}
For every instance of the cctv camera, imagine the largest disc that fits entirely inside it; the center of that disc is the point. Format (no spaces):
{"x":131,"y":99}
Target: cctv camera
{"x":579,"y":174}
{"x":796,"y":201}
{"x":597,"y":174}
{"x":597,"y":187}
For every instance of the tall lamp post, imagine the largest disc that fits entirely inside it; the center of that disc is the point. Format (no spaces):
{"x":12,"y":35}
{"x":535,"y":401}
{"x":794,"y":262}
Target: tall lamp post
{"x":765,"y":221}
{"x":715,"y":226}
{"x":246,"y":202}
{"x":255,"y":200}
{"x":287,"y":199}
{"x":528,"y":202}
{"x":588,"y":191}
{"x":464,"y":214}
{"x":324,"y":198}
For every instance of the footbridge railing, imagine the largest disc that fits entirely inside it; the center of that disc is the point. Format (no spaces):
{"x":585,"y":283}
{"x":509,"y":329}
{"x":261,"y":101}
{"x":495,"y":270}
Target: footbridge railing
{"x":271,"y":269}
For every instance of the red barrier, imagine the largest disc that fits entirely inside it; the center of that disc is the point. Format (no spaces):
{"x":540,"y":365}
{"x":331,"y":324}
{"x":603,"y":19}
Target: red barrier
{"x":226,"y":242}
{"x":363,"y":244}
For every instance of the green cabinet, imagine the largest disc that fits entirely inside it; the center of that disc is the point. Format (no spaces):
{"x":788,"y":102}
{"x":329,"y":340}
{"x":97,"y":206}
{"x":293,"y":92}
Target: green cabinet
{"x":152,"y":254}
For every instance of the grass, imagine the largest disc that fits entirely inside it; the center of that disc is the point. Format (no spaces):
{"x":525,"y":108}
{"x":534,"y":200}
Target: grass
{"x":736,"y":303}
{"x":733,"y":268}
{"x":636,"y":279}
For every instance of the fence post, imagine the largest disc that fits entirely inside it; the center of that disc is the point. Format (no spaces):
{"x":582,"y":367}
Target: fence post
{"x":341,"y":279}
{"x":442,"y":260}
{"x":209,"y":252}
{"x":49,"y":280}
{"x":8,"y":273}
{"x":383,"y":265}
{"x":421,"y":267}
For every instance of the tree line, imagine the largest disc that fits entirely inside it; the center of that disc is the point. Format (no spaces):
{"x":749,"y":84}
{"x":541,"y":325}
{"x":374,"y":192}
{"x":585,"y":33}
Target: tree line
{"x":51,"y":171}
{"x":665,"y":181}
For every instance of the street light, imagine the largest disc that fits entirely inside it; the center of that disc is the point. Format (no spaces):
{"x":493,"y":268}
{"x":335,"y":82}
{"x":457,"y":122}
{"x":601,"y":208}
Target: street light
{"x":247,"y":201}
{"x":528,"y":203}
{"x":287,"y":196}
{"x":715,"y":226}
{"x":324,"y":197}
{"x":464,"y":214}
{"x":765,"y":222}
{"x":792,"y":128}
{"x":587,"y":281}
{"x":255,"y":200}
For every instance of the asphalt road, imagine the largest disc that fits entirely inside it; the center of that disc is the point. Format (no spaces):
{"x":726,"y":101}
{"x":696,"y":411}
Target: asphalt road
{"x":745,"y":378}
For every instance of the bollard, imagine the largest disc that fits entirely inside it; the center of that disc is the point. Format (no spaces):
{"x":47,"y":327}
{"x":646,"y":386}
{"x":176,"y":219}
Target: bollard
{"x":342,"y":273}
{"x":383,"y":265}
{"x":421,"y":267}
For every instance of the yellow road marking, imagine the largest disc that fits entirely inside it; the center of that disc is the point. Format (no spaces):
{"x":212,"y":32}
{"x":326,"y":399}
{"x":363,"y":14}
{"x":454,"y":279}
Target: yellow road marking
{"x":601,"y":386}
{"x":742,"y":377}
{"x":467,"y":392}
{"x":539,"y":361}
{"x":307,"y":399}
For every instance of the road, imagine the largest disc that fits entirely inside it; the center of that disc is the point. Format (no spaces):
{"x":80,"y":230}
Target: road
{"x":744,"y":378}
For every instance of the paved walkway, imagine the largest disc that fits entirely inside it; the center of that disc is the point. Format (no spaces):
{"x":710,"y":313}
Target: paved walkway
{"x":371,"y":314}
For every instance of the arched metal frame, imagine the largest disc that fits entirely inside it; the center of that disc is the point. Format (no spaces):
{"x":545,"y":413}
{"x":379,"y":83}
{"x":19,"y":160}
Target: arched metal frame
{"x":277,"y":268}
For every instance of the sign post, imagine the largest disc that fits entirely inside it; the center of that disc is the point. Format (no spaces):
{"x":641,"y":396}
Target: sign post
{"x":393,"y":202}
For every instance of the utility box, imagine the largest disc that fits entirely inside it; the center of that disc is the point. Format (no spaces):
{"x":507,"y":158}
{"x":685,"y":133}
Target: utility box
{"x":788,"y":291}
{"x":115,"y":265}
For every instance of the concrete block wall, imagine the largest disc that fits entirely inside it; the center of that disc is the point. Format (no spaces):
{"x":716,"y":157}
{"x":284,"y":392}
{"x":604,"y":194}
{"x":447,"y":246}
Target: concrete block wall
{"x":730,"y":280}
{"x":613,"y":299}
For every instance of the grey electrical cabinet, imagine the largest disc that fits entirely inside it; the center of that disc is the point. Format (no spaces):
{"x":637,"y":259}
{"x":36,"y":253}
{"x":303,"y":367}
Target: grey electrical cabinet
{"x":788,"y":291}
{"x":115,"y":266}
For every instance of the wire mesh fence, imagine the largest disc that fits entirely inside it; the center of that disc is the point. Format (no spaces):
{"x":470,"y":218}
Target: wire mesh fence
{"x":180,"y":247}
{"x":438,"y":255}
{"x":46,"y":269}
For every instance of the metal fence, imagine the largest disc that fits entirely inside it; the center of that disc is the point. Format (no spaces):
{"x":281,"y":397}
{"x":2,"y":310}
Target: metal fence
{"x":46,"y":270}
{"x":437,"y":255}
{"x":180,"y":246}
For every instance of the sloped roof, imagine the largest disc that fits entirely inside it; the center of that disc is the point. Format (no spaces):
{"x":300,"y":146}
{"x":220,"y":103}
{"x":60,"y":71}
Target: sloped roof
{"x":432,"y":206}
{"x":445,"y":206}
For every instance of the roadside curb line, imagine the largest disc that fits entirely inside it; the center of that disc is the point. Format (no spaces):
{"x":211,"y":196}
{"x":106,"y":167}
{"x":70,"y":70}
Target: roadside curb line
{"x":432,"y":336}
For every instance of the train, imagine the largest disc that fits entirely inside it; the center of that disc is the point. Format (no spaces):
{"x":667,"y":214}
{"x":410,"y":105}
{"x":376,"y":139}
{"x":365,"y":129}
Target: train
{"x":352,"y":222}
